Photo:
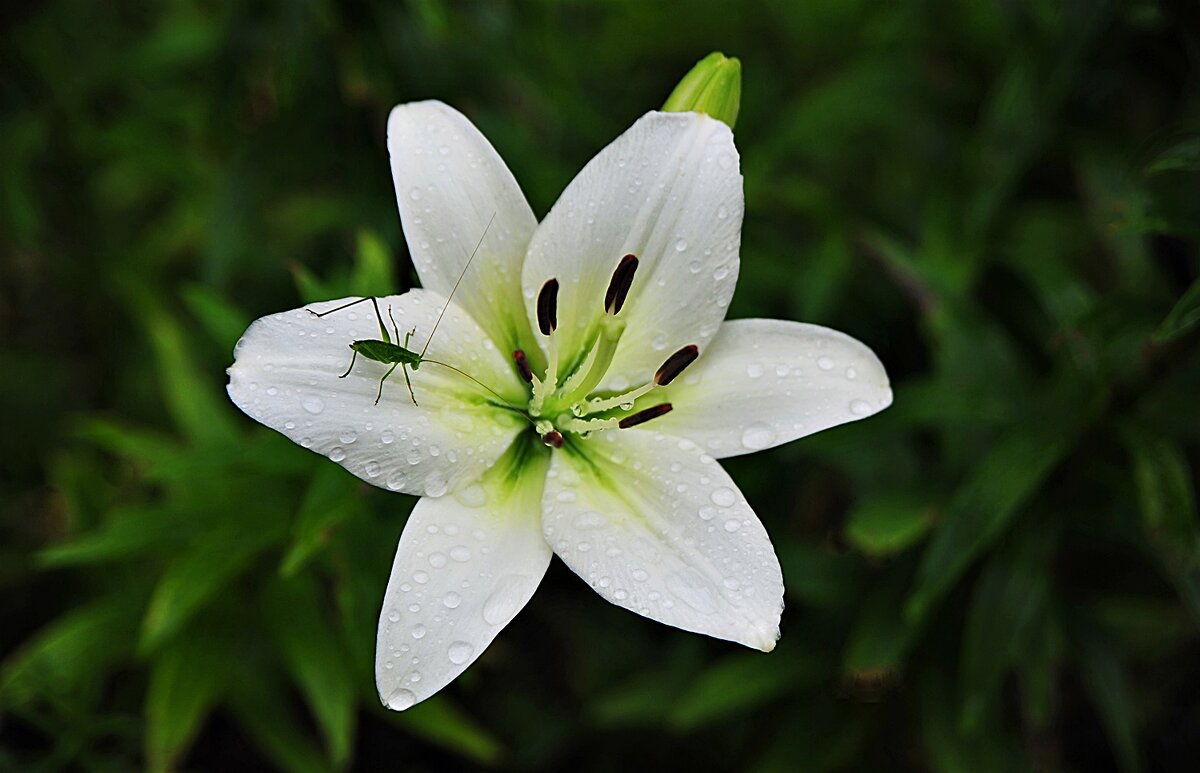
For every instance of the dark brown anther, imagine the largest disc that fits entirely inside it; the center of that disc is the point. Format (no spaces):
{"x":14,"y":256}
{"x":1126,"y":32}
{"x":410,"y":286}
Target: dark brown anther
{"x":675,"y":364}
{"x":523,"y":365}
{"x":553,"y":438}
{"x":618,"y":286}
{"x":547,"y":307}
{"x":641,"y":417}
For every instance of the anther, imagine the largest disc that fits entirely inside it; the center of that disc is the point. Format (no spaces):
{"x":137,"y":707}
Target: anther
{"x":618,"y":286}
{"x":523,"y":365}
{"x":547,"y":307}
{"x":553,"y":438}
{"x":675,"y":364}
{"x":641,"y":417}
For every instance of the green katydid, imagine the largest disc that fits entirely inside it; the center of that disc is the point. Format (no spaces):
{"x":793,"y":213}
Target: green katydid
{"x":390,"y":353}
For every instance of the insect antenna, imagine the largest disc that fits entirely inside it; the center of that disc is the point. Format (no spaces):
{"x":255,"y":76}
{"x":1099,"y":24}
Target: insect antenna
{"x":455,"y":289}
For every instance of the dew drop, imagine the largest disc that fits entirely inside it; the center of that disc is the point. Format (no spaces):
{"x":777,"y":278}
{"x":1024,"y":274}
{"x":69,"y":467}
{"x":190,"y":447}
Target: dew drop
{"x":851,"y":373}
{"x":420,"y":577}
{"x":588,"y":520}
{"x":437,"y":560}
{"x":860,"y":408}
{"x":394,"y":616}
{"x":695,"y":266}
{"x":435,"y":486}
{"x":387,"y":436}
{"x":415,"y":194}
{"x":681,"y":245}
{"x":313,"y":404}
{"x":639,"y":574}
{"x":505,"y":600}
{"x":396,"y":481}
{"x":337,"y":453}
{"x":757,"y":436}
{"x":472,"y":496}
{"x":451,"y":600}
{"x":732,"y":525}
{"x":723,"y":497}
{"x":825,"y":363}
{"x":348,"y":436}
{"x":707,"y":513}
{"x":401,"y":699}
{"x":419,"y":631}
{"x":372,"y":469}
{"x":722,"y":213}
{"x":460,"y":652}
{"x":460,"y":553}
{"x":754,"y":370}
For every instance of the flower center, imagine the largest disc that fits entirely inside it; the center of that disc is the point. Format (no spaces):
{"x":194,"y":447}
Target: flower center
{"x":566,"y":405}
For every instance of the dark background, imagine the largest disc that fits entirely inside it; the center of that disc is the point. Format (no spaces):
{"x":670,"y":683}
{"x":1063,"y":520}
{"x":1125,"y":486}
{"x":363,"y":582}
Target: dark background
{"x":1000,"y":572}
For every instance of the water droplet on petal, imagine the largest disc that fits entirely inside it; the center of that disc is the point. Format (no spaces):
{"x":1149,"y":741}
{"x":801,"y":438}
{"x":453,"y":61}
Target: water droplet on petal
{"x":337,"y":453}
{"x":437,"y":560}
{"x":723,"y":496}
{"x":506,"y":599}
{"x":589,"y":520}
{"x":452,"y":600}
{"x":825,"y":363}
{"x":460,"y":553}
{"x":860,"y":408}
{"x":313,"y":404}
{"x":401,"y":699}
{"x":732,"y":525}
{"x":472,"y":496}
{"x":757,"y":436}
{"x":681,"y":245}
{"x":419,"y":631}
{"x":460,"y":652}
{"x":754,"y":370}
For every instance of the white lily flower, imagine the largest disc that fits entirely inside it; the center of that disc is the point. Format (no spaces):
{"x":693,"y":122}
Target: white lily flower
{"x":568,"y":450}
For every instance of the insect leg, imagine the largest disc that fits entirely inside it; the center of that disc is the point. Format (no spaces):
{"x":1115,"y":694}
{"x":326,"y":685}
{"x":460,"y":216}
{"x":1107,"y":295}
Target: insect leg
{"x":394,"y":328}
{"x":382,"y":330}
{"x":339,"y":308}
{"x":409,"y":383}
{"x":385,"y":375}
{"x":352,"y":359}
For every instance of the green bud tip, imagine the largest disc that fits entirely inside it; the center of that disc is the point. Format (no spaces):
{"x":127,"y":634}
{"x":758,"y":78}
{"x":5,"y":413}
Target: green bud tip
{"x":713,"y":86}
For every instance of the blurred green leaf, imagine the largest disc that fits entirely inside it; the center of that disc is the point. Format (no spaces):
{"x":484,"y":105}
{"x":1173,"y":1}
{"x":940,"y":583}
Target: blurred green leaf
{"x":995,"y":491}
{"x":1011,"y":598}
{"x":741,"y":683}
{"x":373,"y":272}
{"x":886,"y":524}
{"x":186,"y":680}
{"x":1105,"y":679}
{"x":211,"y":563}
{"x":264,"y":709}
{"x":881,"y":636}
{"x":1184,"y":316}
{"x":222,"y":321}
{"x":79,"y":647}
{"x":441,"y":722}
{"x":329,"y":500}
{"x":316,"y":659}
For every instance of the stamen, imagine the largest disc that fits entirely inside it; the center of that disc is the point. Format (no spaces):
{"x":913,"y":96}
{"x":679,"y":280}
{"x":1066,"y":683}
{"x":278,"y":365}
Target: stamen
{"x":675,"y":364}
{"x":553,"y":438}
{"x":605,"y":348}
{"x":523,"y":366}
{"x":547,"y":307}
{"x":641,"y":417}
{"x":607,"y":403}
{"x":618,"y":286}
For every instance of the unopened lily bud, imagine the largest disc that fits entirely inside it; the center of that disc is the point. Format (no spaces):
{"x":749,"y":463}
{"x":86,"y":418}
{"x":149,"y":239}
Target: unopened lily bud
{"x":713,"y":86}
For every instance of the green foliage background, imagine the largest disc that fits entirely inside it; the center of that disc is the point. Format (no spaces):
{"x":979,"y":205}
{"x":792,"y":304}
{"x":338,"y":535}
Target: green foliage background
{"x":1000,"y":572}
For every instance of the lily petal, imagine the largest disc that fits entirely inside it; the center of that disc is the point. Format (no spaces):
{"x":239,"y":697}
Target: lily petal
{"x":656,"y":526}
{"x":668,"y":191}
{"x":286,"y":375}
{"x":466,"y":564}
{"x":765,"y":382}
{"x":450,"y":183}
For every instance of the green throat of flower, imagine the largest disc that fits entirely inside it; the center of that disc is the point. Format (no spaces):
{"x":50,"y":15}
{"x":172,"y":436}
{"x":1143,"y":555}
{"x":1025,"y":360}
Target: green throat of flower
{"x":561,"y":404}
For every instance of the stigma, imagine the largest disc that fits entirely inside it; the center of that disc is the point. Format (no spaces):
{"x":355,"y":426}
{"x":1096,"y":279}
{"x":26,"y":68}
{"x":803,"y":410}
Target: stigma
{"x":562,"y":405}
